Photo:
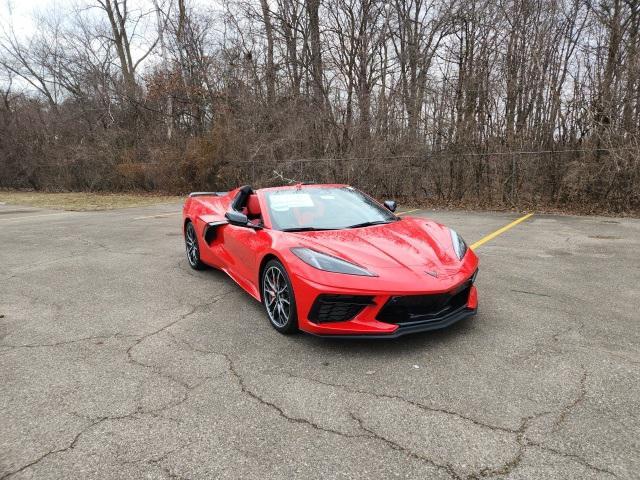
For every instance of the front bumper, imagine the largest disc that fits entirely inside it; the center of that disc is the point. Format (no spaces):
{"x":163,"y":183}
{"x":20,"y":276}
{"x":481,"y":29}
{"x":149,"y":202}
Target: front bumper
{"x":445,"y":322}
{"x":365,"y":324}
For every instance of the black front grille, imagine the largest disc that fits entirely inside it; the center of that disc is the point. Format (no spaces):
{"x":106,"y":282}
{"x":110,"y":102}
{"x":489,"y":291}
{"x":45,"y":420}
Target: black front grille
{"x":338,"y":308}
{"x":408,"y":309}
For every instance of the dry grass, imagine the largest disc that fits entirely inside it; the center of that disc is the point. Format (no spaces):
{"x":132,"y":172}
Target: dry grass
{"x":81,"y":201}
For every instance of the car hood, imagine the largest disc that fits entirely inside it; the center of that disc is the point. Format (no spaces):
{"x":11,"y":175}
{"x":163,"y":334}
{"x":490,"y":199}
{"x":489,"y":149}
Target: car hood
{"x":411,"y":243}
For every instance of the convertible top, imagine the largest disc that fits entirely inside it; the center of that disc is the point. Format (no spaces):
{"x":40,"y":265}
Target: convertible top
{"x":208,"y":194}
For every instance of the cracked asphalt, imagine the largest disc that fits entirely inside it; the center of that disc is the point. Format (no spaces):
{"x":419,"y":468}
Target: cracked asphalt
{"x":118,"y":361}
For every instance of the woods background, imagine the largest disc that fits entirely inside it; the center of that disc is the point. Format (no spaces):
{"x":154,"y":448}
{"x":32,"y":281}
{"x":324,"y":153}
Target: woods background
{"x":530,"y":103}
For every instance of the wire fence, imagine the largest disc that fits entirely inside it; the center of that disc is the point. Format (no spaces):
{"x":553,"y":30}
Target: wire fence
{"x":602,"y":178}
{"x":461,"y":154}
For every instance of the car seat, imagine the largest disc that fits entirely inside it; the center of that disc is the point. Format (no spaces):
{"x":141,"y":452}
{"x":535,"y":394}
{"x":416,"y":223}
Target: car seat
{"x":253,"y":207}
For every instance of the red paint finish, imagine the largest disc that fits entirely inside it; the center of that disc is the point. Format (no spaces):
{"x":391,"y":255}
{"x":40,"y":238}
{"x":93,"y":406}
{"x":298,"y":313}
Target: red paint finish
{"x":473,"y":298}
{"x":399,"y":253}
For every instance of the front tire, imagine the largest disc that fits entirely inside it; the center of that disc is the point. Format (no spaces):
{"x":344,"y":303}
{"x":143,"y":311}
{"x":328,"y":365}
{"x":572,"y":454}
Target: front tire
{"x":192,"y":247}
{"x":278,"y":298}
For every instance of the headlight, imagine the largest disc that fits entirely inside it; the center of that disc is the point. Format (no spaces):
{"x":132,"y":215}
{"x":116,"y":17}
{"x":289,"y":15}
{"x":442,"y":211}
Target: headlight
{"x":458,"y":244}
{"x":329,"y":263}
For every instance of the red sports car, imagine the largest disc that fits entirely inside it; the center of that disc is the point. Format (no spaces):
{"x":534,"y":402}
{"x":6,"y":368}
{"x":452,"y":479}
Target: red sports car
{"x":331,"y":261}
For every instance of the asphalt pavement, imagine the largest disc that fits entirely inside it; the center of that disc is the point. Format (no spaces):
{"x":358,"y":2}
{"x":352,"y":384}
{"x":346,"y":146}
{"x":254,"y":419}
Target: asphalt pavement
{"x":119,"y":361}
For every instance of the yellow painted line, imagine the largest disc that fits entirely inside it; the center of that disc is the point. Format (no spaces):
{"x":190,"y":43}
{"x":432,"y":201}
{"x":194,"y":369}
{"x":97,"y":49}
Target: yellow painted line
{"x":500,"y":231}
{"x":409,"y":211}
{"x":160,"y":215}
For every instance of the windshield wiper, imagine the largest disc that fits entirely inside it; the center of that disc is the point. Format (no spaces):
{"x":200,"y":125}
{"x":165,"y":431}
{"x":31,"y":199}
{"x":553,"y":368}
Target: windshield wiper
{"x":305,"y":229}
{"x":357,"y":225}
{"x":368,"y":224}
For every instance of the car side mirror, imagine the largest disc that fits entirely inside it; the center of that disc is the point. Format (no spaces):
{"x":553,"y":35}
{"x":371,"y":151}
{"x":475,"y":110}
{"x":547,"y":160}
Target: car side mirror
{"x":391,"y":205}
{"x":236,"y":218}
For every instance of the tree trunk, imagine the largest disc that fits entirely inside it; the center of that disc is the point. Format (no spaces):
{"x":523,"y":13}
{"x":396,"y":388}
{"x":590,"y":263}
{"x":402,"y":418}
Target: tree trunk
{"x":313,"y":7}
{"x":270,"y":74}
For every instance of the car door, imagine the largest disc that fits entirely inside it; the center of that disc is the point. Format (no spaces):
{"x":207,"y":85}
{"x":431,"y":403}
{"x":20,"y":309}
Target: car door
{"x":243,"y":245}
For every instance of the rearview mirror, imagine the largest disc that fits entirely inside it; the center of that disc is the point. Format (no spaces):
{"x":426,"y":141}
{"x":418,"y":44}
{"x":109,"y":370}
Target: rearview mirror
{"x":391,"y":205}
{"x":237,"y":218}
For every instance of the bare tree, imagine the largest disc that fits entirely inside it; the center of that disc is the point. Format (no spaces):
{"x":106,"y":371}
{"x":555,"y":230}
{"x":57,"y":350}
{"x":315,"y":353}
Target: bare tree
{"x":508,"y":102}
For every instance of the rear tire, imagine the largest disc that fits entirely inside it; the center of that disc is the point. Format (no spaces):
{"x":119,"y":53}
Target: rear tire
{"x":278,"y":298}
{"x":192,"y":247}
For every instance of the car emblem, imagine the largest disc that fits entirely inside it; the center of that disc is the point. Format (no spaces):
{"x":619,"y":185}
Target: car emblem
{"x":433,"y":273}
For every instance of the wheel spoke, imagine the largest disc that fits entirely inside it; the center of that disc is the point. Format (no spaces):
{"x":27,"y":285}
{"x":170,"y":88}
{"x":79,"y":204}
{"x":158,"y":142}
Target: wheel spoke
{"x":270,"y":301}
{"x":270,"y":284}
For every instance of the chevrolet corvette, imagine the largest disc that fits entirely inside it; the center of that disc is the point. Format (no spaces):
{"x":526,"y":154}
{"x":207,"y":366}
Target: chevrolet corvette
{"x":332,"y":261}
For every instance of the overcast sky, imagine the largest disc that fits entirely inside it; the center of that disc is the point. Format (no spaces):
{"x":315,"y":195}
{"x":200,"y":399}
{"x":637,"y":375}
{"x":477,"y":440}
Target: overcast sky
{"x":20,"y":12}
{"x":21,"y":17}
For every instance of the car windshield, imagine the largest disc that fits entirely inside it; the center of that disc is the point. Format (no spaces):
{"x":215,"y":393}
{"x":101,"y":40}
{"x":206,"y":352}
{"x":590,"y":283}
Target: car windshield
{"x":324,"y":208}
